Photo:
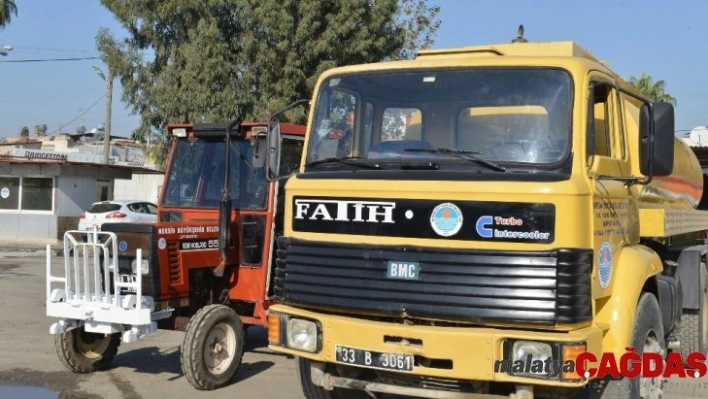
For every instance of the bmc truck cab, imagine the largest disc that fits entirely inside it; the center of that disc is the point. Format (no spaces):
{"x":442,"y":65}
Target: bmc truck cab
{"x":476,"y":209}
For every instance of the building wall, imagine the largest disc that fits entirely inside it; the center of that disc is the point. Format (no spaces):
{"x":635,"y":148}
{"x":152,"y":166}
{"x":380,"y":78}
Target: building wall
{"x":29,"y":224}
{"x":75,"y":189}
{"x":142,"y":187}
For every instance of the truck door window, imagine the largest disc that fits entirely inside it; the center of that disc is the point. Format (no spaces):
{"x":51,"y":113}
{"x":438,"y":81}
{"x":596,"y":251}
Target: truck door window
{"x":290,"y":153}
{"x":599,"y":122}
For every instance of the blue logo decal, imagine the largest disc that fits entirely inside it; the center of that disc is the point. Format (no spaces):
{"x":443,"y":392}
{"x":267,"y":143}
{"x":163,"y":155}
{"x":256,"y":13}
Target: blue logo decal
{"x":604,"y":263}
{"x":482,"y":228}
{"x":446,"y":219}
{"x":123,"y":246}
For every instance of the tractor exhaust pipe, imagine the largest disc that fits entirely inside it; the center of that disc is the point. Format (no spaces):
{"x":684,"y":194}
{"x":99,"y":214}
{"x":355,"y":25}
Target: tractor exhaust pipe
{"x":225,"y":207}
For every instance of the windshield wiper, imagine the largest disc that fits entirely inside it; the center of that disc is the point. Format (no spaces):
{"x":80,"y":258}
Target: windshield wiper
{"x":346,"y":161}
{"x":462,"y":154}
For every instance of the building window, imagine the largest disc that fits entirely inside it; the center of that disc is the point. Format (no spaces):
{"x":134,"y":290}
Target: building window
{"x":37,"y":193}
{"x":26,"y":193}
{"x":9,"y":193}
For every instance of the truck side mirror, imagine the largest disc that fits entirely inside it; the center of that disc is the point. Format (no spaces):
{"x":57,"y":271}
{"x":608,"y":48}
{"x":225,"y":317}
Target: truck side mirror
{"x":273,"y":153}
{"x":656,"y":139}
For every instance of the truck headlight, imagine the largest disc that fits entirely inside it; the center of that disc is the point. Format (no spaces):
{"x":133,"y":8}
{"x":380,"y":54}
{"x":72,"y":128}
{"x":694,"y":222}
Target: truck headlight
{"x":302,"y":335}
{"x":532,"y":353}
{"x":144,"y":266}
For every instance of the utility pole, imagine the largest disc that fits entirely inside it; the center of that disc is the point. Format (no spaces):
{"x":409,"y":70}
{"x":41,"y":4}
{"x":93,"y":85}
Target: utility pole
{"x":107,"y":132}
{"x":109,"y":97}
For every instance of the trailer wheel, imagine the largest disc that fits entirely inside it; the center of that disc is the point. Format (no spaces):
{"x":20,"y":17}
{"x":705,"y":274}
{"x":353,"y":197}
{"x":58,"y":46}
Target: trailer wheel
{"x":647,"y":336}
{"x":85,"y":352}
{"x":213,"y":347}
{"x":694,"y":323}
{"x":312,"y":391}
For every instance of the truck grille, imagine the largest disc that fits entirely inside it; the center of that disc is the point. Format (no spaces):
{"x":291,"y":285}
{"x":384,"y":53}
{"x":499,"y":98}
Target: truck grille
{"x":455,"y":285}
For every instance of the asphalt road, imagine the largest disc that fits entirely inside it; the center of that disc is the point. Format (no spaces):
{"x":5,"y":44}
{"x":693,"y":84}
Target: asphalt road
{"x":147,"y":369}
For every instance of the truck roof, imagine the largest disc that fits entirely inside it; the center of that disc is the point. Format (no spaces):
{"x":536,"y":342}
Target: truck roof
{"x":530,"y":49}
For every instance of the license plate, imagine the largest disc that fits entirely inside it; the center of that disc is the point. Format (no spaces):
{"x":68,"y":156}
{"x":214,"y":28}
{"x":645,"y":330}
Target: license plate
{"x":403,"y":270}
{"x":373,"y":359}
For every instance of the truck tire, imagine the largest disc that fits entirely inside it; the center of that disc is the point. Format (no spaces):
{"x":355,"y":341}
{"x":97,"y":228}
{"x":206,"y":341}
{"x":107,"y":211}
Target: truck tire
{"x":693,"y":329}
{"x":212,"y":348}
{"x":312,"y":391}
{"x":647,"y":336}
{"x":85,"y":352}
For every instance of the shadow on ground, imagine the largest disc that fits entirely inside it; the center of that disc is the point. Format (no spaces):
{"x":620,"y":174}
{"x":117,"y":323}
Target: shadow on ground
{"x":152,"y":360}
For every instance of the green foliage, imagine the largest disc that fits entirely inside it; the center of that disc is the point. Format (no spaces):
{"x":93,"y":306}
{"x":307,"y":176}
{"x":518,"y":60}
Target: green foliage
{"x":7,"y":8}
{"x":212,"y":60}
{"x":654,"y":91}
{"x":24,"y":131}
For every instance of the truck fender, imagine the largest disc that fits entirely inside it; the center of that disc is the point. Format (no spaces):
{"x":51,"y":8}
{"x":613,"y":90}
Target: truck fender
{"x":636,"y":264}
{"x":689,"y":273}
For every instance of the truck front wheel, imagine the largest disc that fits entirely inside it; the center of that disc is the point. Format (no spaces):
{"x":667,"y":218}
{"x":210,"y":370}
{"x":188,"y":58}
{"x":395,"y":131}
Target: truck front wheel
{"x":213,"y":347}
{"x":647,"y":336}
{"x":85,"y":352}
{"x":312,"y":391}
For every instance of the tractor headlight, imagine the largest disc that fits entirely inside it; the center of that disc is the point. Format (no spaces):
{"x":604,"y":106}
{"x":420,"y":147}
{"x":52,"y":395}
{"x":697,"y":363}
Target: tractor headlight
{"x":144,"y":266}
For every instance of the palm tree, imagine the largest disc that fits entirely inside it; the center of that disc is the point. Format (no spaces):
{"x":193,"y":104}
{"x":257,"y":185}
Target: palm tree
{"x":7,"y":8}
{"x":654,"y":91}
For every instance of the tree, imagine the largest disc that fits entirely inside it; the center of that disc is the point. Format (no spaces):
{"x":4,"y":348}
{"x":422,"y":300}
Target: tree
{"x":654,"y":91}
{"x":7,"y":8}
{"x":208,"y":61}
{"x":24,"y":132}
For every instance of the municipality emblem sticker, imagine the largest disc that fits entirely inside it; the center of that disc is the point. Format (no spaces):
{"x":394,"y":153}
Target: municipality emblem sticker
{"x":123,"y":246}
{"x":446,"y":219}
{"x":604,"y":263}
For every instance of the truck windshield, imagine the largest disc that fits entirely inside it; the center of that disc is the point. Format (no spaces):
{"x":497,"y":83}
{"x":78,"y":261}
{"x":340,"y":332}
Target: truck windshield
{"x":502,"y":115}
{"x":196,"y":176}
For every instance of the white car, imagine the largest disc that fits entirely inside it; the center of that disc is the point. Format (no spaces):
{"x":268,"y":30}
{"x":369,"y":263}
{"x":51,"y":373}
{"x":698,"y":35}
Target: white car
{"x":117,"y":211}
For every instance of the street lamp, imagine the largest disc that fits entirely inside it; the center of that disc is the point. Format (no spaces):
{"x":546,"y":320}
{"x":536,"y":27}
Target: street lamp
{"x":5,"y":50}
{"x":109,"y":97}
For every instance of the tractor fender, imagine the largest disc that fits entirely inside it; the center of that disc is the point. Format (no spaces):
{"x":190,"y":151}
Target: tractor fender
{"x":636,"y":265}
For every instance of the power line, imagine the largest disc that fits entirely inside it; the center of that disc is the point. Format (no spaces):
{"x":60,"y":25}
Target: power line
{"x":56,"y":59}
{"x":80,"y":115}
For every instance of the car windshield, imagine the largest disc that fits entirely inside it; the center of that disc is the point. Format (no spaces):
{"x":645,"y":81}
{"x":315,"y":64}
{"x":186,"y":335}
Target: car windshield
{"x":196,"y":176}
{"x":501,"y":115}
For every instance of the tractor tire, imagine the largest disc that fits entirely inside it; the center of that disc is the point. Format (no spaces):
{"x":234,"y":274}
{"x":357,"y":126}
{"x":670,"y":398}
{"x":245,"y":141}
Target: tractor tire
{"x":693,"y":330}
{"x":86,"y":352}
{"x":647,"y":336}
{"x":213,"y":347}
{"x":312,"y":391}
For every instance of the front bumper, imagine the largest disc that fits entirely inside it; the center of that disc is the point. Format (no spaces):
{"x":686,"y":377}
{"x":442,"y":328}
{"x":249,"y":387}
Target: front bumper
{"x":467,"y":353}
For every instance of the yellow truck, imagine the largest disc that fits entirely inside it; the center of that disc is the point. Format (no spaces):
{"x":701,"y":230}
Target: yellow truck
{"x":481,"y":207}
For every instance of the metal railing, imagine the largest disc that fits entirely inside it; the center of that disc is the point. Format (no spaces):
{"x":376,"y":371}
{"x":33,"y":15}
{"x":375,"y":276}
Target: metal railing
{"x":91,"y":276}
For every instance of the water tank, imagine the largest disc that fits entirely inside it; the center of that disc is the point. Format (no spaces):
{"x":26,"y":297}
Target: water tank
{"x":684,"y":187}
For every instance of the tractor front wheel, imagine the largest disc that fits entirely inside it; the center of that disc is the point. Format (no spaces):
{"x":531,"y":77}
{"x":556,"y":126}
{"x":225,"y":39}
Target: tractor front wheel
{"x":85,"y":352}
{"x":213,"y":347}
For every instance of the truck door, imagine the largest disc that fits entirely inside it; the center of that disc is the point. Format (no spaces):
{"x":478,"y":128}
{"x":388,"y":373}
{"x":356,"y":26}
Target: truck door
{"x":607,"y":159}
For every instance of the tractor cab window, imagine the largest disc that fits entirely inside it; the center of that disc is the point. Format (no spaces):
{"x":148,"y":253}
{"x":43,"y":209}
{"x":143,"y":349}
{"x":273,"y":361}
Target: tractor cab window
{"x":196,"y":175}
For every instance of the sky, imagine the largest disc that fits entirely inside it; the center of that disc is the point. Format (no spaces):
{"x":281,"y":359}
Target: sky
{"x":668,"y":40}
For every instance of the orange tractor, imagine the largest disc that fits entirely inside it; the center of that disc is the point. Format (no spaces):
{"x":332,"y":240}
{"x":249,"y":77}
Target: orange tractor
{"x":205,"y":267}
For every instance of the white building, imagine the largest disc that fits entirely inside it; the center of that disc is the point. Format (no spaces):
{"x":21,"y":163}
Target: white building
{"x":45,"y":185}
